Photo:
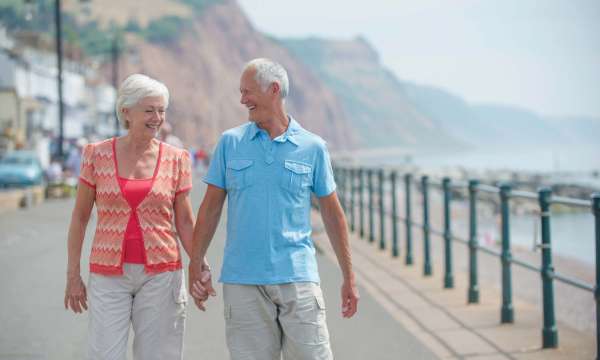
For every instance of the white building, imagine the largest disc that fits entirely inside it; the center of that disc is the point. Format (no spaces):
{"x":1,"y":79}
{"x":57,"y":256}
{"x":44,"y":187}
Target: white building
{"x":29,"y":98}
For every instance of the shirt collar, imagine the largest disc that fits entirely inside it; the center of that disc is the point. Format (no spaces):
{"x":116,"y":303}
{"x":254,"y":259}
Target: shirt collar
{"x":290,"y":133}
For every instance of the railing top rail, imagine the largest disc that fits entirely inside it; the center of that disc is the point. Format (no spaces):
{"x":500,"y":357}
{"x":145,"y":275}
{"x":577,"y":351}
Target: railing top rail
{"x":459,"y":184}
{"x":463,"y":184}
{"x":488,"y":188}
{"x":524,"y":194}
{"x":435,"y":183}
{"x":570,"y":201}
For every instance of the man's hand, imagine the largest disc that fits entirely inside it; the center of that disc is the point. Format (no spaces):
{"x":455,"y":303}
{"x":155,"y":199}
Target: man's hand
{"x":209,"y":213}
{"x":337,"y":231}
{"x":350,"y":298}
{"x":200,"y":284}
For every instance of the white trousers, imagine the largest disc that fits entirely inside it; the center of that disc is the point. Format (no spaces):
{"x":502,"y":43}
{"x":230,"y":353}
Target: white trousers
{"x":268,"y":321}
{"x":154,"y":305}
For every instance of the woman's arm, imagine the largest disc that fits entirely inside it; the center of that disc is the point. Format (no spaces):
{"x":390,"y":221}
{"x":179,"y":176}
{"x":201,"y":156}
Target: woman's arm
{"x":184,"y":220}
{"x":75,"y":293}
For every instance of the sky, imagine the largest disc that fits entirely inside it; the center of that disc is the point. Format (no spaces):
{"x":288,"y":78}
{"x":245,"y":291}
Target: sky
{"x":541,"y":55}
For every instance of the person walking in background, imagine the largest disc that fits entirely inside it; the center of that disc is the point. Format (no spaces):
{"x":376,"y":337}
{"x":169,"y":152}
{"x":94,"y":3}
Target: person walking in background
{"x":166,"y":135}
{"x":267,"y":169}
{"x":138,"y":185}
{"x":73,"y":162}
{"x":201,"y":160}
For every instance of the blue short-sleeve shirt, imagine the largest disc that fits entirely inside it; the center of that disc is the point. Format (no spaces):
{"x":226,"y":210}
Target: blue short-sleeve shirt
{"x":269,"y":184}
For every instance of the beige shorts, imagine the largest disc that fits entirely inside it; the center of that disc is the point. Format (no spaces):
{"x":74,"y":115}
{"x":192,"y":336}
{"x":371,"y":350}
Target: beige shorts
{"x":265,"y":322}
{"x":154,"y":305}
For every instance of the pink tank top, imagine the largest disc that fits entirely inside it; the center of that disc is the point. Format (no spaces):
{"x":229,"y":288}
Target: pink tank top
{"x":134,"y":191}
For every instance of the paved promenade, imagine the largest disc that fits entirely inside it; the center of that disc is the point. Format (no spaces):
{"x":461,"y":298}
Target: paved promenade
{"x":34,"y":324}
{"x":402,"y":315}
{"x":441,"y":318}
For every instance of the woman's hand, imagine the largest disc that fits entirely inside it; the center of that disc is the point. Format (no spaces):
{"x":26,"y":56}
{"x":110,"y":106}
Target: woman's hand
{"x":75,"y":294}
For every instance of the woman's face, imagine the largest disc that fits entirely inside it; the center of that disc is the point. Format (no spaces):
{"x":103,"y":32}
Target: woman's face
{"x":146,"y":117}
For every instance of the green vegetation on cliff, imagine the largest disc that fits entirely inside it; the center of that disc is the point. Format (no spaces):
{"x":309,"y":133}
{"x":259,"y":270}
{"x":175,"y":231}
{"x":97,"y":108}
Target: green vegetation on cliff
{"x":90,"y":36}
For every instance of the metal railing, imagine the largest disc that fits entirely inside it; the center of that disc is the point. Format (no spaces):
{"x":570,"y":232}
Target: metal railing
{"x":351,"y":190}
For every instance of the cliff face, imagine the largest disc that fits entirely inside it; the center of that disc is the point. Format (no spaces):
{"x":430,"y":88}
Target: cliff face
{"x":202,"y":69}
{"x":375,"y":100}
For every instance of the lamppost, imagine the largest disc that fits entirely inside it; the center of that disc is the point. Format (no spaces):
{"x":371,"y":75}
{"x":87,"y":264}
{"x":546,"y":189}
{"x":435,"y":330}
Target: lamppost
{"x":59,"y":77}
{"x":58,"y":25}
{"x":61,"y":109}
{"x":115,"y":76}
{"x":114,"y":53}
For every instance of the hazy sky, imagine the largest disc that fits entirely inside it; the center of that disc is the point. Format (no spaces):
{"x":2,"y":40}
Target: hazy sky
{"x":543,"y":55}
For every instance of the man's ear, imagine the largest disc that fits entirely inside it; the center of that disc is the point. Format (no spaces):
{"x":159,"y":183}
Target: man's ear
{"x":275,"y":88}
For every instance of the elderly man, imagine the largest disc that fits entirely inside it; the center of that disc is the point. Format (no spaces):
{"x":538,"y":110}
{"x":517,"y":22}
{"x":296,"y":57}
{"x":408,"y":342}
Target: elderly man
{"x":267,"y":168}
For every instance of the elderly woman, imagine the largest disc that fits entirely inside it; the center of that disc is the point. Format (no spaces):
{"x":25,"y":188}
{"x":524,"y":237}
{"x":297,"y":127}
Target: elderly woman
{"x":139,"y":185}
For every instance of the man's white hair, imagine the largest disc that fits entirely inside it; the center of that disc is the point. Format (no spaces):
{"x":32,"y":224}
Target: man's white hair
{"x":268,"y":72}
{"x":135,"y":88}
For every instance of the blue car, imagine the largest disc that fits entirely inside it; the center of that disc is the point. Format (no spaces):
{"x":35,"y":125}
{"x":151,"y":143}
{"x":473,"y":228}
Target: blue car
{"x":20,"y":168}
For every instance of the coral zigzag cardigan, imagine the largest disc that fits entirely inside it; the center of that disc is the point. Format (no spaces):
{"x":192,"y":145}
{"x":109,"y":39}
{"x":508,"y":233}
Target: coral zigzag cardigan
{"x":155,"y":213}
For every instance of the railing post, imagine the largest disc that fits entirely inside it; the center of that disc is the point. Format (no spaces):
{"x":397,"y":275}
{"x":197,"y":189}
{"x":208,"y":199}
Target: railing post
{"x":381,"y":210}
{"x":352,"y":199}
{"x":361,"y":202}
{"x":549,"y":332}
{"x":507,"y":311}
{"x":473,"y":294}
{"x":426,"y":227}
{"x":408,"y":220}
{"x":395,"y":251}
{"x":448,"y":276}
{"x":596,"y":210}
{"x":371,"y":218}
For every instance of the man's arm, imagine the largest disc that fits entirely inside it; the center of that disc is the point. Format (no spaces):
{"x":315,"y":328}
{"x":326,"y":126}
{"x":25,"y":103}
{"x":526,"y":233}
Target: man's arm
{"x":206,"y":224}
{"x":337,"y":231}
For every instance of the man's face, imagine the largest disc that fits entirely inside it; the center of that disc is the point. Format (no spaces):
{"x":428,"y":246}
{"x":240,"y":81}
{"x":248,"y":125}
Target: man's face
{"x":260,"y":104}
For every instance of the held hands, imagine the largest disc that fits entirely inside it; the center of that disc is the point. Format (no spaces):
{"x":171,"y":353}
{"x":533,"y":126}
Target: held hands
{"x":75,"y":294}
{"x":200,"y":284}
{"x":350,"y":298}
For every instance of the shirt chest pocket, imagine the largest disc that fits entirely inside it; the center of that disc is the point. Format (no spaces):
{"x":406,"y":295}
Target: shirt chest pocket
{"x":239,"y":174}
{"x":297,"y":176}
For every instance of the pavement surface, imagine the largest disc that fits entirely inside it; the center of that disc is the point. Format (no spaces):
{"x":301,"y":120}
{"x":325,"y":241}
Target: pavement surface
{"x":443,"y":320}
{"x":35,"y":325}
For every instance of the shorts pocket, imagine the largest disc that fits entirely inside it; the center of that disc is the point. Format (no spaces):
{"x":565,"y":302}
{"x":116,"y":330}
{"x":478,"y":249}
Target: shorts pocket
{"x":179,"y":291}
{"x":311,"y":327}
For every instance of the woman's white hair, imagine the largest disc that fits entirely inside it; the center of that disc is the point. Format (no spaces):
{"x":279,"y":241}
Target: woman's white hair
{"x":268,"y":72}
{"x":135,"y":88}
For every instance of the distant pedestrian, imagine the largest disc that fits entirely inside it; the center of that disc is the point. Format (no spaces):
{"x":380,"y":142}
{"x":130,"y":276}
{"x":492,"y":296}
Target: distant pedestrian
{"x":54,"y":173}
{"x":73,"y":161}
{"x":201,"y":160}
{"x":166,"y":135}
{"x":140,"y":187}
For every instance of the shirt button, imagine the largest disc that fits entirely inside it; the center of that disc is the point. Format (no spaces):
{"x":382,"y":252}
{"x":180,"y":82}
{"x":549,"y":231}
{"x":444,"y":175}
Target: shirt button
{"x":269,"y":159}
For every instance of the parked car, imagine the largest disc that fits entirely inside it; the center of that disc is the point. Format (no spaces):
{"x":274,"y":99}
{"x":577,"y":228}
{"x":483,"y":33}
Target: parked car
{"x":20,"y":168}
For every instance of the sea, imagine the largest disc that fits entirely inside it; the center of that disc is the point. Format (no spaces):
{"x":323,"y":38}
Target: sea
{"x":572,"y":233}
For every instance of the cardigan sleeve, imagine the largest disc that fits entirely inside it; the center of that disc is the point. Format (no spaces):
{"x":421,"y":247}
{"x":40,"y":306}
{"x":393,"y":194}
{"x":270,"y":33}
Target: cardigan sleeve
{"x":184,"y":178}
{"x":87,"y":173}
